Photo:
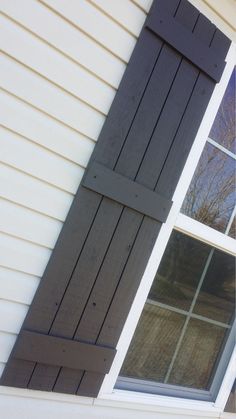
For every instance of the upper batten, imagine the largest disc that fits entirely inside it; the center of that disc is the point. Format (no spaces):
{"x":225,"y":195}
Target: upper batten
{"x":97,"y":264}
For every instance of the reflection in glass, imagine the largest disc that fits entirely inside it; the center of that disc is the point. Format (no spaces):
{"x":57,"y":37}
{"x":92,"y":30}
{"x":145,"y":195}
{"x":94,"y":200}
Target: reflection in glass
{"x":170,"y":345}
{"x":179,"y":272}
{"x":153,"y":344}
{"x":232,"y":231}
{"x":197,"y":355}
{"x":216,"y":299}
{"x":223,"y":129}
{"x":211,"y":196}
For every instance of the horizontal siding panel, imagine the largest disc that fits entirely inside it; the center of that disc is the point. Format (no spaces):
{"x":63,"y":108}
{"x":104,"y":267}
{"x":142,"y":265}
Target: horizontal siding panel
{"x":17,"y":286}
{"x":23,"y":256}
{"x":97,"y":25}
{"x":11,"y":316}
{"x":39,"y":162}
{"x":123,"y":11}
{"x":227,"y":13}
{"x":144,"y":4}
{"x":7,"y":341}
{"x":53,"y":65}
{"x":28,"y":225}
{"x":44,"y":130}
{"x":29,"y":86}
{"x":25,"y":190}
{"x":72,"y":42}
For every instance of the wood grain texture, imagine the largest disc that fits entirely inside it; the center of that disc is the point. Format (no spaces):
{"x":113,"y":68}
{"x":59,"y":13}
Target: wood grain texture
{"x":128,"y":193}
{"x":64,"y":352}
{"x":205,"y":58}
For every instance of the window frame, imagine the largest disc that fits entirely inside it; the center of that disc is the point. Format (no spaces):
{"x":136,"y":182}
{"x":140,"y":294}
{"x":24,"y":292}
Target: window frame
{"x":193,"y":228}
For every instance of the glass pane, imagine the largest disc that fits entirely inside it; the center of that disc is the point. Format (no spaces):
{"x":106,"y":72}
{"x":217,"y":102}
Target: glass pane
{"x":211,"y":196}
{"x":179,"y":272}
{"x":216,"y":299}
{"x":153,"y":344}
{"x":223,"y":129}
{"x":174,"y":348}
{"x":197,"y":355}
{"x":232,"y":231}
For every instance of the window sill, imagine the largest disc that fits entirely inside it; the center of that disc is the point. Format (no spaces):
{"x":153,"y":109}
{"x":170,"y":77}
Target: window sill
{"x":162,"y":404}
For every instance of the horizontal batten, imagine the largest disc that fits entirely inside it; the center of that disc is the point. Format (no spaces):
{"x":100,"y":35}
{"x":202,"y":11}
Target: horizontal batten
{"x":22,"y":255}
{"x":33,"y":193}
{"x":53,"y":65}
{"x":185,"y":42}
{"x":124,"y":12}
{"x":45,"y":96}
{"x":7,"y":341}
{"x":97,"y":25}
{"x":12,"y":315}
{"x":17,"y":286}
{"x":64,"y":352}
{"x":28,"y":225}
{"x":38,"y":162}
{"x":123,"y":190}
{"x":70,"y":40}
{"x":44,"y":130}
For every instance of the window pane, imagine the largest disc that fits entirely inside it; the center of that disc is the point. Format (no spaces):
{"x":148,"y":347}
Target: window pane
{"x":179,"y":272}
{"x":171,"y":345}
{"x":232,"y":231}
{"x":216,"y":299}
{"x":153,"y":344}
{"x":223,"y":129}
{"x":211,"y":196}
{"x":197,"y":355}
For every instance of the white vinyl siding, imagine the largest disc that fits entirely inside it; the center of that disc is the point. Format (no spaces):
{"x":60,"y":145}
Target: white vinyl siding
{"x":60,"y":66}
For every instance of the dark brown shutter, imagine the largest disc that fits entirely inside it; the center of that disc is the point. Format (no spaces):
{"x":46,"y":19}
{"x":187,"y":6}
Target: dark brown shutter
{"x":68,"y":340}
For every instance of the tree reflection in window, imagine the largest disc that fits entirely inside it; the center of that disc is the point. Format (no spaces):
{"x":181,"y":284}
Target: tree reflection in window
{"x":211,"y":196}
{"x":223,"y":129}
{"x":187,"y":316}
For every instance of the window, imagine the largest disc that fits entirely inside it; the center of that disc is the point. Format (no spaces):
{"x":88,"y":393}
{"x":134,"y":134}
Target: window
{"x":185,"y":335}
{"x":211,"y":196}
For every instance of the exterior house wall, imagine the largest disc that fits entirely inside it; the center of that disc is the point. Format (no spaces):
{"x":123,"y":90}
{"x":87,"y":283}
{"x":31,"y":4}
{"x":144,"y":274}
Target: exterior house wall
{"x":60,"y":68}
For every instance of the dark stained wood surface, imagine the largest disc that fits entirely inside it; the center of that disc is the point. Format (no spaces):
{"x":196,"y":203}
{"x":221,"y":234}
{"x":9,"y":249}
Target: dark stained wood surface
{"x":123,"y":190}
{"x":101,"y":254}
{"x":190,"y":46}
{"x":63,"y":352}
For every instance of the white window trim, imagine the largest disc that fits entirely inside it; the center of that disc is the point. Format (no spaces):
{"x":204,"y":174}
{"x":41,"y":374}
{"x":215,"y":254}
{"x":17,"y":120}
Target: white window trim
{"x":202,"y":232}
{"x":181,"y":222}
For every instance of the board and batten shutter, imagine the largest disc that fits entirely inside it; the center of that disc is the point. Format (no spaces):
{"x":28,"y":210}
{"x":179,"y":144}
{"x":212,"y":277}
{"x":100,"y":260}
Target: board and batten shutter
{"x":68,"y":339}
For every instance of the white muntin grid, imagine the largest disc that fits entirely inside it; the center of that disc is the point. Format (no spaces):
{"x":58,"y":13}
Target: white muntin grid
{"x":192,"y":228}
